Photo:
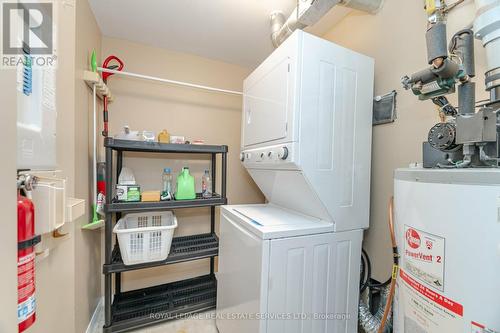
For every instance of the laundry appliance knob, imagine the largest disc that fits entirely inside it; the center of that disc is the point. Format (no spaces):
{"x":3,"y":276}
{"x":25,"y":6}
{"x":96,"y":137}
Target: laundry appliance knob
{"x":283,"y":154}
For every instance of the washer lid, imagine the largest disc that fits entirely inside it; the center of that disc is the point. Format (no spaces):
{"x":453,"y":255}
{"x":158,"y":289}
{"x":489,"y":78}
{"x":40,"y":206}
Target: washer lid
{"x":269,"y":221}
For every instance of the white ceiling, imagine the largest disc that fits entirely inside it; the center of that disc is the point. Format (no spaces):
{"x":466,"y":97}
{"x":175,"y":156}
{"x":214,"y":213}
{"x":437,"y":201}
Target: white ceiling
{"x":234,"y":31}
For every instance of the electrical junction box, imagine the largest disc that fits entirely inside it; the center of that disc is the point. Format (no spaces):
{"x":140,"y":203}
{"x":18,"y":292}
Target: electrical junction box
{"x":37,"y":122}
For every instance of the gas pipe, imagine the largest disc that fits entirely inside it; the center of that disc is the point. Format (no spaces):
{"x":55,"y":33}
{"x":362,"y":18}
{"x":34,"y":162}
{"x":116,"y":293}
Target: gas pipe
{"x":26,"y":241}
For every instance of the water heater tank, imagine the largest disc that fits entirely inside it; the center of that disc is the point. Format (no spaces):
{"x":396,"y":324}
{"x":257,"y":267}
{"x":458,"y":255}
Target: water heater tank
{"x":448,"y":234}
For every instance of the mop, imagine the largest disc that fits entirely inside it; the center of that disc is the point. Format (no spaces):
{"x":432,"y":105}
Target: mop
{"x":99,"y":198}
{"x":97,"y":221}
{"x":119,"y":67}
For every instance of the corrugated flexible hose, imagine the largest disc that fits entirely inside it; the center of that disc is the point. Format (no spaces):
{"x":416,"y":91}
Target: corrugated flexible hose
{"x":380,"y":322}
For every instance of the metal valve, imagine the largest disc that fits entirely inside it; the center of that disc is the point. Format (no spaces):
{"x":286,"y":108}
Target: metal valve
{"x":442,"y":136}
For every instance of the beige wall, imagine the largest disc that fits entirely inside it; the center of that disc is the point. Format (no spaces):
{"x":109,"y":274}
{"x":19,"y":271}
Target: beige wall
{"x":88,"y":266}
{"x":67,"y":281}
{"x":55,"y":274}
{"x":395,"y":38}
{"x":8,"y":235}
{"x":195,"y":114}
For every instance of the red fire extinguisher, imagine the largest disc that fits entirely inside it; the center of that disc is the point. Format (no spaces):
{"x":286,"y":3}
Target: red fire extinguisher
{"x":26,"y":241}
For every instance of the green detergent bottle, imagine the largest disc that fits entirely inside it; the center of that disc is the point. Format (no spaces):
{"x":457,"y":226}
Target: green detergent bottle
{"x":185,"y":186}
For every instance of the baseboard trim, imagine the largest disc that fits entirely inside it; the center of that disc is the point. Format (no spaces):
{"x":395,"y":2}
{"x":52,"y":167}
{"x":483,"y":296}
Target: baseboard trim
{"x":94,"y":321}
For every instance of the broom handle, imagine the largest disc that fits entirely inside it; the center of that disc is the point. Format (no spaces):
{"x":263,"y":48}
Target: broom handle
{"x":94,"y":148}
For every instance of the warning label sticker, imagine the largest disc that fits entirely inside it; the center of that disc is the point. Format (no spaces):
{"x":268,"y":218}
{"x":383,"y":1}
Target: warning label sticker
{"x":426,"y":311}
{"x":26,"y":309}
{"x":479,"y":328}
{"x":424,"y":257}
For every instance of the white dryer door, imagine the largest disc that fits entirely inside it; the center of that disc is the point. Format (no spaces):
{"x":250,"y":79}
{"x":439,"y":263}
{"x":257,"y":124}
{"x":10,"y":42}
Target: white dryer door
{"x":241,"y":279}
{"x":266,"y":103}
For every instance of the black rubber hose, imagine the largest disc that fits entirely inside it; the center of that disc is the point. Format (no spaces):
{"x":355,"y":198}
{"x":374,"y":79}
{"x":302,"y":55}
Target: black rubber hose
{"x":381,"y":285}
{"x":363,"y":272}
{"x":368,"y":269}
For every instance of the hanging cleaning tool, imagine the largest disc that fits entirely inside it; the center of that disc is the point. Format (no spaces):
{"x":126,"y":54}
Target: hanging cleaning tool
{"x":96,"y":221}
{"x":105,"y":75}
{"x":93,"y":62}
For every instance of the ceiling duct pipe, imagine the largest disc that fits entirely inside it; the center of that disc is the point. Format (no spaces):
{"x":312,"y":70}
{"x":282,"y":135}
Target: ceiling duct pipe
{"x":369,"y":6}
{"x":308,"y":12}
{"x":487,"y":29}
{"x":281,"y":28}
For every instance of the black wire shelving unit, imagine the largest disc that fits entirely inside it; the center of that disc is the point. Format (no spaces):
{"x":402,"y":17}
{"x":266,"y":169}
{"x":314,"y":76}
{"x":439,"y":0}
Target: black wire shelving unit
{"x":125,"y":311}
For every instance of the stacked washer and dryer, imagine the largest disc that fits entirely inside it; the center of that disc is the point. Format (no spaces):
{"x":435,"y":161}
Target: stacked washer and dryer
{"x":293,"y":264}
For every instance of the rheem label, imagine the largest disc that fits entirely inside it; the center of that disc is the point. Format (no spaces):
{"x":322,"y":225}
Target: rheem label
{"x":424,"y":257}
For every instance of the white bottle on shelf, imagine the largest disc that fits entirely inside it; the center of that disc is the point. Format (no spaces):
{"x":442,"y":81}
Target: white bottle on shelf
{"x":206,"y":185}
{"x":167,"y":193}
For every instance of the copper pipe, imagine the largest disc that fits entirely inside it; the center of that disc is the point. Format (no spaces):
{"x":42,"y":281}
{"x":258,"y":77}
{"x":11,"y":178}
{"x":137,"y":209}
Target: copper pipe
{"x":391,"y":221}
{"x":388,"y":304}
{"x":452,"y":6}
{"x":441,"y":115}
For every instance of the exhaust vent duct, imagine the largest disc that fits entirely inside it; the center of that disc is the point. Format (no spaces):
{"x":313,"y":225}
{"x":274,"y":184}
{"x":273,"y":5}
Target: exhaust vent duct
{"x":308,"y":12}
{"x":369,"y":6}
{"x":487,"y":29}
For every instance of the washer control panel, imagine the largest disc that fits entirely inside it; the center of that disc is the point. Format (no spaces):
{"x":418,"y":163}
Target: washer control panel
{"x":280,"y":154}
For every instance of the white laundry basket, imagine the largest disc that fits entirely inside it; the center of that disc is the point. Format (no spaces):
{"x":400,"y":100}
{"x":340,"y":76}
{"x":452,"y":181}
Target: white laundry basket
{"x":145,"y":237}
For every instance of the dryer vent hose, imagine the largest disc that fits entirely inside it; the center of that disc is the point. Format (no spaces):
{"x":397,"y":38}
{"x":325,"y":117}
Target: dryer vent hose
{"x":380,"y":322}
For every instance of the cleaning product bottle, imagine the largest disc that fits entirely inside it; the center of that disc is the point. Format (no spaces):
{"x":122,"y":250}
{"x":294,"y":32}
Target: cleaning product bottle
{"x":206,"y":185}
{"x":167,"y":191}
{"x":164,"y":136}
{"x":101,"y":188}
{"x":101,"y":177}
{"x":185,"y":186}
